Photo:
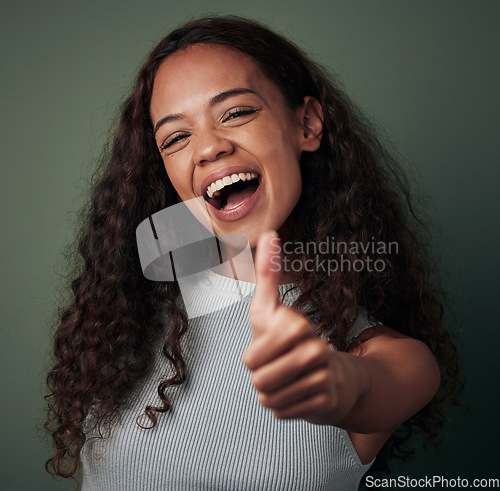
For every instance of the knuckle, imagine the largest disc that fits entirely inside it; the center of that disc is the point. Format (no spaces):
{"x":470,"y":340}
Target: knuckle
{"x":260,"y":382}
{"x":322,"y":378}
{"x":300,"y":329}
{"x":328,"y":401}
{"x":256,"y":381}
{"x":338,"y":369}
{"x":341,"y":377}
{"x":248,"y":354}
{"x":316,"y":350}
{"x":265,"y":400}
{"x":249,"y":362}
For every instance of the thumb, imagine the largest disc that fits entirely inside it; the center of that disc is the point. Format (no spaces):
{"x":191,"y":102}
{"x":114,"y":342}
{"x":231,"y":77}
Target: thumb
{"x":267,"y":274}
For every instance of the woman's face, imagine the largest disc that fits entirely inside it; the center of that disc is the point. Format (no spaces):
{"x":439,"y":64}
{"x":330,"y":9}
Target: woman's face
{"x":226,"y":134}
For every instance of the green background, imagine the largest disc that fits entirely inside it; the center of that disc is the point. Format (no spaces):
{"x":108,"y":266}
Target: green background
{"x":427,"y":72}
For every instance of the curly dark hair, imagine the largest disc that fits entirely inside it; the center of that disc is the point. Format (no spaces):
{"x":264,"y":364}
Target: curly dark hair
{"x":353,"y":191}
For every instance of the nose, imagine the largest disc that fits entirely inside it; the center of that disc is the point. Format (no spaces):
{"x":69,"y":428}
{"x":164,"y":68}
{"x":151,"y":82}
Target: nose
{"x":211,"y":146}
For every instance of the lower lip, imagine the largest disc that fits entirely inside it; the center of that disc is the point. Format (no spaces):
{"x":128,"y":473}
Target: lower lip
{"x":238,"y":212}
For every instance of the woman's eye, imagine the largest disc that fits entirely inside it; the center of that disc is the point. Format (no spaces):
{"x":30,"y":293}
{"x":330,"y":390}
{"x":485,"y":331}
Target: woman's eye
{"x":172,"y":141}
{"x":238,"y":113}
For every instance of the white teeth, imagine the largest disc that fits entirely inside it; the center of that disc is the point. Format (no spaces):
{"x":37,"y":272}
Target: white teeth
{"x":215,"y":187}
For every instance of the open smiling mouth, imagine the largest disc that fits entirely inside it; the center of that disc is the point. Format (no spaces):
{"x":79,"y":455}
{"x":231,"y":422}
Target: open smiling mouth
{"x":232,"y":191}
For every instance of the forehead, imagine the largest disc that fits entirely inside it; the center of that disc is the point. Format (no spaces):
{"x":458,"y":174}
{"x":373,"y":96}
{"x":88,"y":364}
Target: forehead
{"x":201,"y":71}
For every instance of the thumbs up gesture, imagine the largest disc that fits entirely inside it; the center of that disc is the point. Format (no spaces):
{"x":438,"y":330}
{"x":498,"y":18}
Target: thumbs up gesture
{"x":296,"y":373}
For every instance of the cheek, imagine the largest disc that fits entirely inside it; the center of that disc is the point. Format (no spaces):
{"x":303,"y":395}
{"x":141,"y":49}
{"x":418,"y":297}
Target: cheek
{"x":284,"y":145}
{"x":181,"y":180}
{"x":294,"y":187}
{"x":285,"y":167}
{"x":291,"y":181}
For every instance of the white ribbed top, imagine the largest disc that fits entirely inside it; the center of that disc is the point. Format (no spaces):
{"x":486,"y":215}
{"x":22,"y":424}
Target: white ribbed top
{"x":216,"y":436}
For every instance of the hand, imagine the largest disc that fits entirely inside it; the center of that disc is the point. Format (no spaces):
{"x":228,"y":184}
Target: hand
{"x":296,"y":373}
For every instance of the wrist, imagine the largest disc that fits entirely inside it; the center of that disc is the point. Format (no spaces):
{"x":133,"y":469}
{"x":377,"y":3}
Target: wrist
{"x":357,"y":382}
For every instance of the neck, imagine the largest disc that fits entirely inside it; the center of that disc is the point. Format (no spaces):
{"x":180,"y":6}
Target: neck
{"x":238,"y":263}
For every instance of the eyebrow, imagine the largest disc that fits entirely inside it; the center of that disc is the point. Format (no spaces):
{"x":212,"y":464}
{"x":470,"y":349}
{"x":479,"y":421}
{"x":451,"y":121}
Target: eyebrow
{"x":213,"y":101}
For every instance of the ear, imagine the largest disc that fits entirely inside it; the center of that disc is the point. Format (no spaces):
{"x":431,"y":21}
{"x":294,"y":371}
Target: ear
{"x":311,"y":119}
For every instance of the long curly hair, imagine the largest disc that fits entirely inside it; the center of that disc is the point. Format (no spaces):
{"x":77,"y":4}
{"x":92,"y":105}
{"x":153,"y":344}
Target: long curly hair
{"x":354,"y":192}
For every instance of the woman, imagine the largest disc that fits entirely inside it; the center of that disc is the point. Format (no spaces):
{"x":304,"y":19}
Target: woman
{"x":220,"y":98}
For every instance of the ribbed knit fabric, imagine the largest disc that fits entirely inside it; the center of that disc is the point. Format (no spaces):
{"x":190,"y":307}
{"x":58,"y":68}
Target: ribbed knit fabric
{"x":216,"y":436}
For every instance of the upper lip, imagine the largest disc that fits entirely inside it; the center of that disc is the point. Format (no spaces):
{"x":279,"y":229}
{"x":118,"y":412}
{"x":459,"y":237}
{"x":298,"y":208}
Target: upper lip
{"x":223,"y":172}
